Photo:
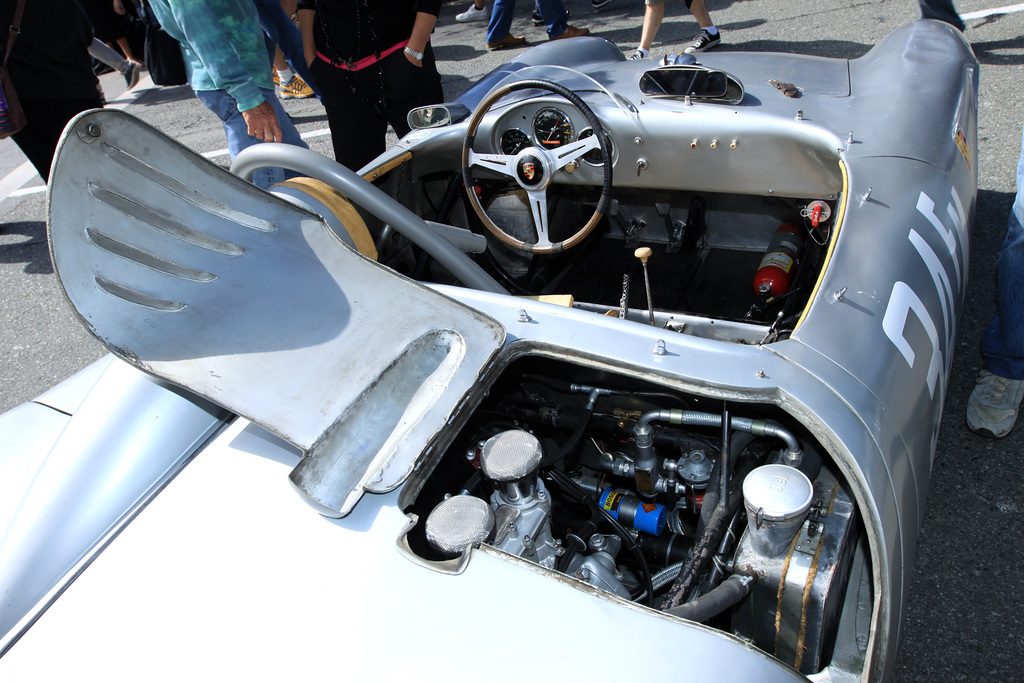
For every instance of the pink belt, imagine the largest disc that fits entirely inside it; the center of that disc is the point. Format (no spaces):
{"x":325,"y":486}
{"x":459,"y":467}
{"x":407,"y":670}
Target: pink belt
{"x":365,"y":61}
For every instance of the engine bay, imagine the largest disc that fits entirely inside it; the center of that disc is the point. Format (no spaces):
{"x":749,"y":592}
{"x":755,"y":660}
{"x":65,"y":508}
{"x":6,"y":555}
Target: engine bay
{"x":617,"y":483}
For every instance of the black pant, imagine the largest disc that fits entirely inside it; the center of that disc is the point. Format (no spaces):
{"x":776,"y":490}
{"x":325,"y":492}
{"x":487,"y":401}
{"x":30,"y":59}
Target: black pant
{"x":361,"y":104}
{"x":46,"y":119}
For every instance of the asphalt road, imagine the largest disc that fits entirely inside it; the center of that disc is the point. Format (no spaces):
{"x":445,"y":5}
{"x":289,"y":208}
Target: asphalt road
{"x":965,"y":620}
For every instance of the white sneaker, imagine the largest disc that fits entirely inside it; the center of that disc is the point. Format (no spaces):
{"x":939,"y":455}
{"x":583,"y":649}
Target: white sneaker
{"x":992,"y":407}
{"x":473,"y":14}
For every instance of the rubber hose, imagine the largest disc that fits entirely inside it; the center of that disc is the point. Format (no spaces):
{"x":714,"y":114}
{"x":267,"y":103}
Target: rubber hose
{"x":715,"y":601}
{"x":740,"y":441}
{"x":707,"y":544}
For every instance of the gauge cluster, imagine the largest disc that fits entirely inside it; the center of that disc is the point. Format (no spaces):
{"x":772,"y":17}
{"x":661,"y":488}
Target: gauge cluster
{"x":547,"y":128}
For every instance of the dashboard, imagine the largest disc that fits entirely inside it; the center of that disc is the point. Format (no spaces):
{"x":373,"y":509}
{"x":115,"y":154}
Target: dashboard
{"x":544,"y":125}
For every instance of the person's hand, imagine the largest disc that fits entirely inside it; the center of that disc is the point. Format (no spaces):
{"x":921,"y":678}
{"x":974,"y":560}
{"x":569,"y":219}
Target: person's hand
{"x":262,"y":122}
{"x":118,"y":7}
{"x":412,"y":60}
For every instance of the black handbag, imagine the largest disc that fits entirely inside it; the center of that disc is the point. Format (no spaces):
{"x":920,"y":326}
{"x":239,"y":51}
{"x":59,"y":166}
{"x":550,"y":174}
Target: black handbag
{"x":163,"y":54}
{"x":12,"y":117}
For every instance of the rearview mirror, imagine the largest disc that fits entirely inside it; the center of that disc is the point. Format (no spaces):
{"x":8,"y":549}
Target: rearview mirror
{"x":437,"y":115}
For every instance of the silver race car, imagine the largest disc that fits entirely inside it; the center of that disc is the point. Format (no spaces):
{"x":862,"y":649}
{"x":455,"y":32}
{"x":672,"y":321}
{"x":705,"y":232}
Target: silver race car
{"x":608,"y":369}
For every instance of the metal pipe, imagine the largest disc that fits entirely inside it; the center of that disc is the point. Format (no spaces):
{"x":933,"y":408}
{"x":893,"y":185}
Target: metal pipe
{"x":369,"y":197}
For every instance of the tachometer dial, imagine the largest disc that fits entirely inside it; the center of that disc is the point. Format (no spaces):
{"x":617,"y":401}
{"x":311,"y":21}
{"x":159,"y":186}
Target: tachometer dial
{"x":552,"y":128}
{"x":513,"y":140}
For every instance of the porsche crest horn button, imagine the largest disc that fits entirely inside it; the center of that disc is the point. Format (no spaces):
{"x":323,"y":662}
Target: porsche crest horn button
{"x":530,"y":170}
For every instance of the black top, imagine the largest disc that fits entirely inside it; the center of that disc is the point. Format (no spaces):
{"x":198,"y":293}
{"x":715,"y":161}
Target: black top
{"x":349,"y":30}
{"x":51,"y":58}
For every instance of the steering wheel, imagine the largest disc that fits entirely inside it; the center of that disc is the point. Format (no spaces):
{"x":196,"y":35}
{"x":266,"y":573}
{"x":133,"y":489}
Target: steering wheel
{"x":533,"y":169}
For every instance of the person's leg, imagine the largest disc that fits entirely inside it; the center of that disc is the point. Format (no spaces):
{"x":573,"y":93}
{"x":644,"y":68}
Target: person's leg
{"x":46,"y":119}
{"x":709,"y":36}
{"x":555,"y":16}
{"x":943,"y":10}
{"x":654,"y":13}
{"x":410,"y":86}
{"x":1002,"y":344}
{"x":699,"y":10}
{"x":109,"y":56}
{"x":501,"y":20}
{"x":358,"y":131}
{"x":993,"y":405}
{"x":226,"y":108}
{"x":280,"y":29}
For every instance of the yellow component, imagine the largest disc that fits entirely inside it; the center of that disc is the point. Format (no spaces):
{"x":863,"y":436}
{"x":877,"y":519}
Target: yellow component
{"x":836,"y":227}
{"x":342,"y":208}
{"x":387,"y":167}
{"x":557,"y":299}
{"x":643,"y":253}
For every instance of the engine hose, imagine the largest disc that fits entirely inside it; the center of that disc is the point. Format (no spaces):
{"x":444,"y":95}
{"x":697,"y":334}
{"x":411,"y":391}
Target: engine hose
{"x":725,"y":459}
{"x":715,"y":601}
{"x":471,"y":484}
{"x":567,"y":451}
{"x":739,"y":442}
{"x":572,"y":489}
{"x":666,"y":576}
{"x":706,"y":545}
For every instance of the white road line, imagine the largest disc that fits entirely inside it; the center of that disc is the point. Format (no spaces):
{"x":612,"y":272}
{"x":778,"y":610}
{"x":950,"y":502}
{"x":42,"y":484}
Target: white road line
{"x":11,"y":184}
{"x":981,"y":14}
{"x":16,"y":178}
{"x":319,"y":133}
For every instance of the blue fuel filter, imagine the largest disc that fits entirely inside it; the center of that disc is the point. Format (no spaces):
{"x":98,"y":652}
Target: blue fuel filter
{"x":631,"y":511}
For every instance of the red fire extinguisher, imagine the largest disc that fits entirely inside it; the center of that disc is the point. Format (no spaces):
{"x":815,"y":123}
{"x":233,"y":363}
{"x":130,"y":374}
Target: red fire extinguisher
{"x":775,"y":274}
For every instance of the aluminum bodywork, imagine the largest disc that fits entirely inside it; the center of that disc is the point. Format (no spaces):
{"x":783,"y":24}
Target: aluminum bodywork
{"x":863,"y":371}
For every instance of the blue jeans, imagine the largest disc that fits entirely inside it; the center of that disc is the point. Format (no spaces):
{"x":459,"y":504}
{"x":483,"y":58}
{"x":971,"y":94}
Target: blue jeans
{"x":1002,"y":343}
{"x":553,"y":12}
{"x":280,"y":29}
{"x":224,"y":106}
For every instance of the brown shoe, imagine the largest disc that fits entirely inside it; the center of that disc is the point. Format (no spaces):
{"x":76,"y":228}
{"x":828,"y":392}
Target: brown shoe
{"x":572,"y":32}
{"x":508,"y":41}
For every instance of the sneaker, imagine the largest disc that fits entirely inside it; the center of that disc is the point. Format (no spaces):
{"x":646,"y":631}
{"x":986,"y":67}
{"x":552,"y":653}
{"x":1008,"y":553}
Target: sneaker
{"x":508,"y":41}
{"x":131,"y":76}
{"x":538,"y":20}
{"x":704,"y":42}
{"x":277,"y":77}
{"x":636,"y":55}
{"x":572,"y":32}
{"x":601,"y":4}
{"x":296,"y":89}
{"x":992,"y":407}
{"x":473,"y":14}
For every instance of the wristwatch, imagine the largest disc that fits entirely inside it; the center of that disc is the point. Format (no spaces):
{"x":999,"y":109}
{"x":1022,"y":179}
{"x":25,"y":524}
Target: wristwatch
{"x":418,"y":56}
